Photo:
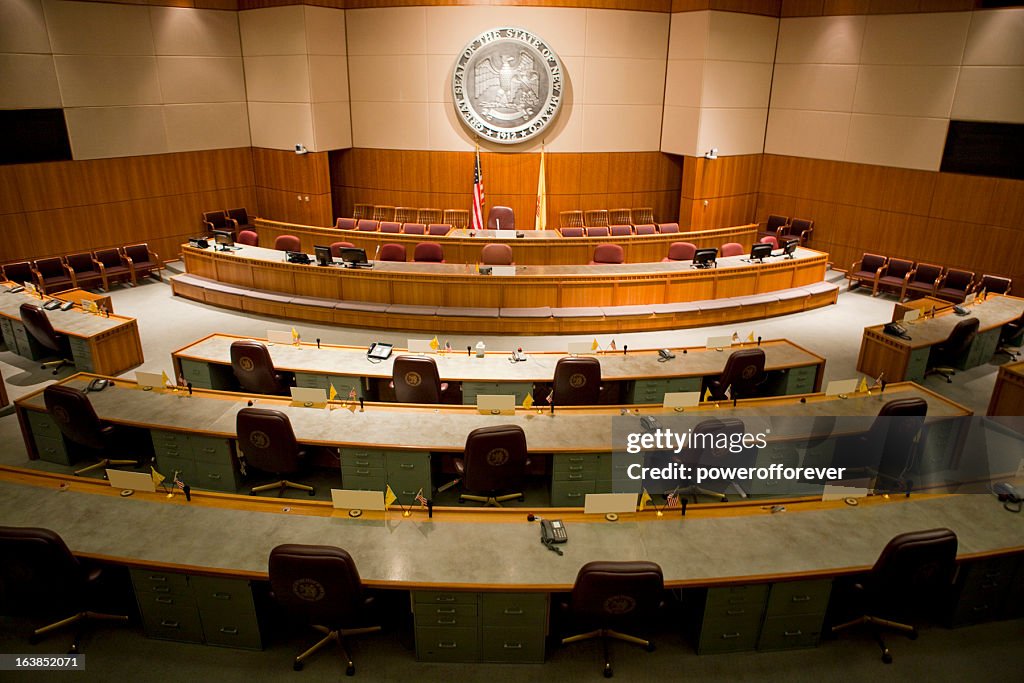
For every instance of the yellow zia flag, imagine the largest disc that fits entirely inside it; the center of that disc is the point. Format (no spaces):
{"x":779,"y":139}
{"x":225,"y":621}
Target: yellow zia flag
{"x":164,"y":378}
{"x":751,"y":337}
{"x":594,"y":346}
{"x":295,"y":335}
{"x":434,"y":344}
{"x":333,"y":393}
{"x":645,"y":500}
{"x":157,"y":477}
{"x":528,"y":401}
{"x":863,"y":386}
{"x":707,"y":395}
{"x":389,"y":497}
{"x":541,"y":220}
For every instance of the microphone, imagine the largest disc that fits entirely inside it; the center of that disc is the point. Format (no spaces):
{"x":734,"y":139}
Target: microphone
{"x":758,"y":341}
{"x":625,"y":348}
{"x":318,"y":342}
{"x":189,"y":385}
{"x":376,"y":252}
{"x":361,"y":404}
{"x":469,"y":350}
{"x":188,"y":492}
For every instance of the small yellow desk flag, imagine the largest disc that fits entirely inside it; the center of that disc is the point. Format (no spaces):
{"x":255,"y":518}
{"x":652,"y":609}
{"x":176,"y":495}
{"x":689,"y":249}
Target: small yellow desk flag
{"x":389,"y":496}
{"x":645,"y":499}
{"x":157,"y":477}
{"x":333,"y":393}
{"x":595,"y":346}
{"x":528,"y":401}
{"x":863,"y":386}
{"x":707,"y":395}
{"x":751,"y":337}
{"x":295,"y":335}
{"x":164,"y":378}
{"x":434,"y":344}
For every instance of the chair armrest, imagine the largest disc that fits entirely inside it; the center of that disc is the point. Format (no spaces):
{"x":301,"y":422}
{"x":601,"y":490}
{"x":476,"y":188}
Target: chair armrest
{"x":884,"y":267}
{"x":806,"y":234}
{"x":209,"y":226}
{"x":908,"y":276}
{"x":853,"y":267}
{"x":154,"y":257}
{"x":232,"y":221}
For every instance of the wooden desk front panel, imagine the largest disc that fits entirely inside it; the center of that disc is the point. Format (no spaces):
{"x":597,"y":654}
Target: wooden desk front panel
{"x":1008,"y":393}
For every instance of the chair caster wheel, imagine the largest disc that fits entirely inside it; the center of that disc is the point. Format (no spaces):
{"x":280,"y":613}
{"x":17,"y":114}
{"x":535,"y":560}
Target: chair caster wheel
{"x":313,"y":492}
{"x":650,"y":647}
{"x":887,"y":658}
{"x":34,"y":639}
{"x":297,"y":666}
{"x":521,"y":499}
{"x":912,"y":635}
{"x":350,"y":671}
{"x":608,"y":672}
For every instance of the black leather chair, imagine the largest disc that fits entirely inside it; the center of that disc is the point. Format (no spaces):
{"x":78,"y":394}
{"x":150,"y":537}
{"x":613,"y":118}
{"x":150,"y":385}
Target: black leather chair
{"x":113,"y":267}
{"x":218,"y":220}
{"x":77,"y":420}
{"x":913,"y":573}
{"x":85,"y":272}
{"x":494,"y":461}
{"x":416,"y":380}
{"x":142,"y":261}
{"x":947,"y":354}
{"x":39,"y":577}
{"x":52,"y":275}
{"x":608,"y":596}
{"x":37,"y":324}
{"x":1010,"y":335}
{"x":577,"y":381}
{"x":320,"y":584}
{"x":241,"y":218}
{"x":704,"y":452}
{"x":268,"y":444}
{"x":254,"y":369}
{"x":743,"y":372}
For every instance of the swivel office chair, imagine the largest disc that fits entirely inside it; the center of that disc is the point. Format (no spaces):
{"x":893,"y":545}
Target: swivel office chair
{"x":287,"y":243}
{"x":77,"y":420}
{"x":321,"y":585}
{"x":742,"y":375}
{"x":914,"y":572}
{"x":254,"y":369}
{"x":40,"y":577}
{"x":577,"y":382}
{"x":681,"y":251}
{"x":947,"y":354}
{"x":249,"y":238}
{"x":416,"y":380}
{"x":732,"y":249}
{"x":392,"y":252}
{"x":605,"y":254}
{"x":268,"y":444}
{"x":38,"y":326}
{"x":428,"y":252}
{"x":494,"y":461}
{"x":888,"y":450}
{"x":501,"y":218}
{"x":704,"y":451}
{"x":608,"y":596}
{"x":336,"y":248}
{"x":1009,"y":336}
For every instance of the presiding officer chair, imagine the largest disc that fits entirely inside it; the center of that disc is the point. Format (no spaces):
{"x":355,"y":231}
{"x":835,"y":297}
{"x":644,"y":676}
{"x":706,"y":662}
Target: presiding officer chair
{"x":37,"y":324}
{"x":268,"y":444}
{"x":913,"y":573}
{"x":494,"y":461}
{"x":945,"y":355}
{"x":743,"y":373}
{"x":577,"y":381}
{"x":416,"y":380}
{"x":608,"y":596}
{"x":40,"y":577}
{"x":77,"y":420}
{"x":254,"y":369}
{"x":320,"y":584}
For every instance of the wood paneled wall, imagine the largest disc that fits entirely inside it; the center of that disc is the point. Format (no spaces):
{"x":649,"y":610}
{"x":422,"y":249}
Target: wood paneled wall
{"x":644,"y":5}
{"x":970,"y":222}
{"x":729,"y":185}
{"x":770,"y":8}
{"x":816,"y":8}
{"x":196,"y":4}
{"x":291,"y":187}
{"x":444,"y":180}
{"x":60,"y":207}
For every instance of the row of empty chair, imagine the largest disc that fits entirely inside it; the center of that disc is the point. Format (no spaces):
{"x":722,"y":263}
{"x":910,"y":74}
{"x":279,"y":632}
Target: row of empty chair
{"x":230,"y":220}
{"x":87,"y":269}
{"x":620,"y":230}
{"x":393,"y":227}
{"x":458,"y":218}
{"x":905,"y":278}
{"x":595,"y":218}
{"x":785,"y":227}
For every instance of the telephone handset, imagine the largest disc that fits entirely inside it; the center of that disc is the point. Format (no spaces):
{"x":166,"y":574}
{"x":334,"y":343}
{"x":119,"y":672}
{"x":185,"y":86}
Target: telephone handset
{"x":1007,"y":495}
{"x":896,"y":330}
{"x":664,"y":355}
{"x":518,"y":356}
{"x":552,"y":531}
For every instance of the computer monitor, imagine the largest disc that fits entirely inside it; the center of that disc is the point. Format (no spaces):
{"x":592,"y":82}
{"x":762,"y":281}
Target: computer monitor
{"x":353,"y":256}
{"x":760,"y":251}
{"x":224,"y":239}
{"x":323,"y":255}
{"x":789,"y":247}
{"x":705,"y":258}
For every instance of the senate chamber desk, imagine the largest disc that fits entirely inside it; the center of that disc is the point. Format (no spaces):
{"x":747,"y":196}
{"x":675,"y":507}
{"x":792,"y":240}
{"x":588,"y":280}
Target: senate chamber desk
{"x":634,"y":377}
{"x":536,"y":299}
{"x":101,"y":344}
{"x":534,"y":248}
{"x":1008,"y":393}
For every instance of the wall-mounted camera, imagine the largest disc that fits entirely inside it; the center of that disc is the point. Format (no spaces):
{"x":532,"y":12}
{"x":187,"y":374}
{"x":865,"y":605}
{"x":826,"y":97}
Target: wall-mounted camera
{"x":301,"y":149}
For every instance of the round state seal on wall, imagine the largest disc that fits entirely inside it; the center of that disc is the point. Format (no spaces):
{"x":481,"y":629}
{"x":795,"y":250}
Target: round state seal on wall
{"x":507,"y":85}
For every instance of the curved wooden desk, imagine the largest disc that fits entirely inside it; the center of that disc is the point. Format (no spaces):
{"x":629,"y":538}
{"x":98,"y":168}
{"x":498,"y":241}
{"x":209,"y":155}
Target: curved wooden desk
{"x":535,"y":248}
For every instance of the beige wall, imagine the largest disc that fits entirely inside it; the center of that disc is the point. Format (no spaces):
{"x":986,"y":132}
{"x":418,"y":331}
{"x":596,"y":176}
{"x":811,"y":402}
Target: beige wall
{"x":881,"y":89}
{"x":718,"y":83}
{"x":400,"y":64}
{"x":132,"y":80}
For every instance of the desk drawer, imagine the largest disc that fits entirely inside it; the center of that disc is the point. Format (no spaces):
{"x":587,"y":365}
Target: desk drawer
{"x":575,"y":464}
{"x":446,"y":615}
{"x":221,"y":477}
{"x":210,"y":450}
{"x":43,"y":425}
{"x":228,"y":630}
{"x":153,"y":603}
{"x":514,"y":610}
{"x":81,"y":353}
{"x":198,"y":373}
{"x":470,"y":390}
{"x":362,"y":457}
{"x":783,"y":633}
{"x":230,"y":596}
{"x":800,"y":380}
{"x":164,"y":583}
{"x":917,"y":363}
{"x":179,"y":623}
{"x":799,"y":597}
{"x":571,"y":493}
{"x":165,"y":441}
{"x":443,"y":598}
{"x":186,"y":467}
{"x":7,"y":332}
{"x":718,"y":636}
{"x":52,"y":450}
{"x":447,"y":644}
{"x":722,"y":602}
{"x":513,"y":645}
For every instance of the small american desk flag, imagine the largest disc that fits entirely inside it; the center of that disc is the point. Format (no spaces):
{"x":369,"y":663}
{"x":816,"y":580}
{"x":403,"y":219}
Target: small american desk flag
{"x":478,"y":194}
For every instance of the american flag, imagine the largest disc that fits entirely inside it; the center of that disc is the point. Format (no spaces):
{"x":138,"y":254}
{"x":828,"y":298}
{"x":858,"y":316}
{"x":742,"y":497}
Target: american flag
{"x":421,"y":499}
{"x":178,"y":482}
{"x":478,"y":194}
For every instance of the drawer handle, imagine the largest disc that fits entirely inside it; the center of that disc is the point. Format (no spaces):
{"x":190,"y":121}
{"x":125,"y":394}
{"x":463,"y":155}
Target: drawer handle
{"x":158,"y":578}
{"x":445,"y":598}
{"x":735,"y":612}
{"x":980,"y":608}
{"x":221,"y":596}
{"x":989,"y":585}
{"x":214,"y":476}
{"x":447,"y":621}
{"x":730,"y":636}
{"x":166,"y":623}
{"x":161,"y":589}
{"x":993,"y":575}
{"x":362,"y":463}
{"x":573,"y":495}
{"x":407,"y":466}
{"x":576,"y":459}
{"x":513,"y":646}
{"x":229,"y":630}
{"x":164,"y":601}
{"x":792,"y":634}
{"x":207,"y":449}
{"x":362,"y":471}
{"x":801,"y":598}
{"x":447,"y":645}
{"x":575,"y":468}
{"x":445,"y":611}
{"x":513,"y":610}
{"x":575,"y":476}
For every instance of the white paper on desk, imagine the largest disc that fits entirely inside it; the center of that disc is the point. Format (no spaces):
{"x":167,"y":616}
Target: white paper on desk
{"x":504,"y":271}
{"x":279,"y":336}
{"x":149,"y":379}
{"x":505,"y":404}
{"x":911,"y":315}
{"x":419,"y":345}
{"x":831,"y":492}
{"x":309,"y":397}
{"x":719,"y":342}
{"x":841,"y":386}
{"x":580,"y":348}
{"x":969,"y":299}
{"x":603,"y":503}
{"x":348,"y":499}
{"x":137,"y":481}
{"x":682,"y":399}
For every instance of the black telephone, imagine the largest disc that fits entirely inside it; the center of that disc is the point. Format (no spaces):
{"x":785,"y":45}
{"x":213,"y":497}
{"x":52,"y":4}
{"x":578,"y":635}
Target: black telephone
{"x":97,"y":385}
{"x":297,"y":257}
{"x":960,"y":310}
{"x":379,"y":351}
{"x":552,"y":531}
{"x":664,"y":355}
{"x":52,"y":305}
{"x":650,"y":423}
{"x":15,"y":290}
{"x":896,"y":330}
{"x":1007,"y":495}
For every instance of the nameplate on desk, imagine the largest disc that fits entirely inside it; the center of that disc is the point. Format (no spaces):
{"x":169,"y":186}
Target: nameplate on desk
{"x":149,"y":379}
{"x":603,"y":503}
{"x":419,"y":345}
{"x":722,"y":342}
{"x":580,"y":348}
{"x":134,"y":481}
{"x":505,"y":271}
{"x":858,"y":490}
{"x":841,"y":386}
{"x":911,"y":315}
{"x":308,"y":397}
{"x":496,"y":404}
{"x":347,"y":499}
{"x":279,"y":337}
{"x":682,"y":399}
{"x":969,"y":299}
